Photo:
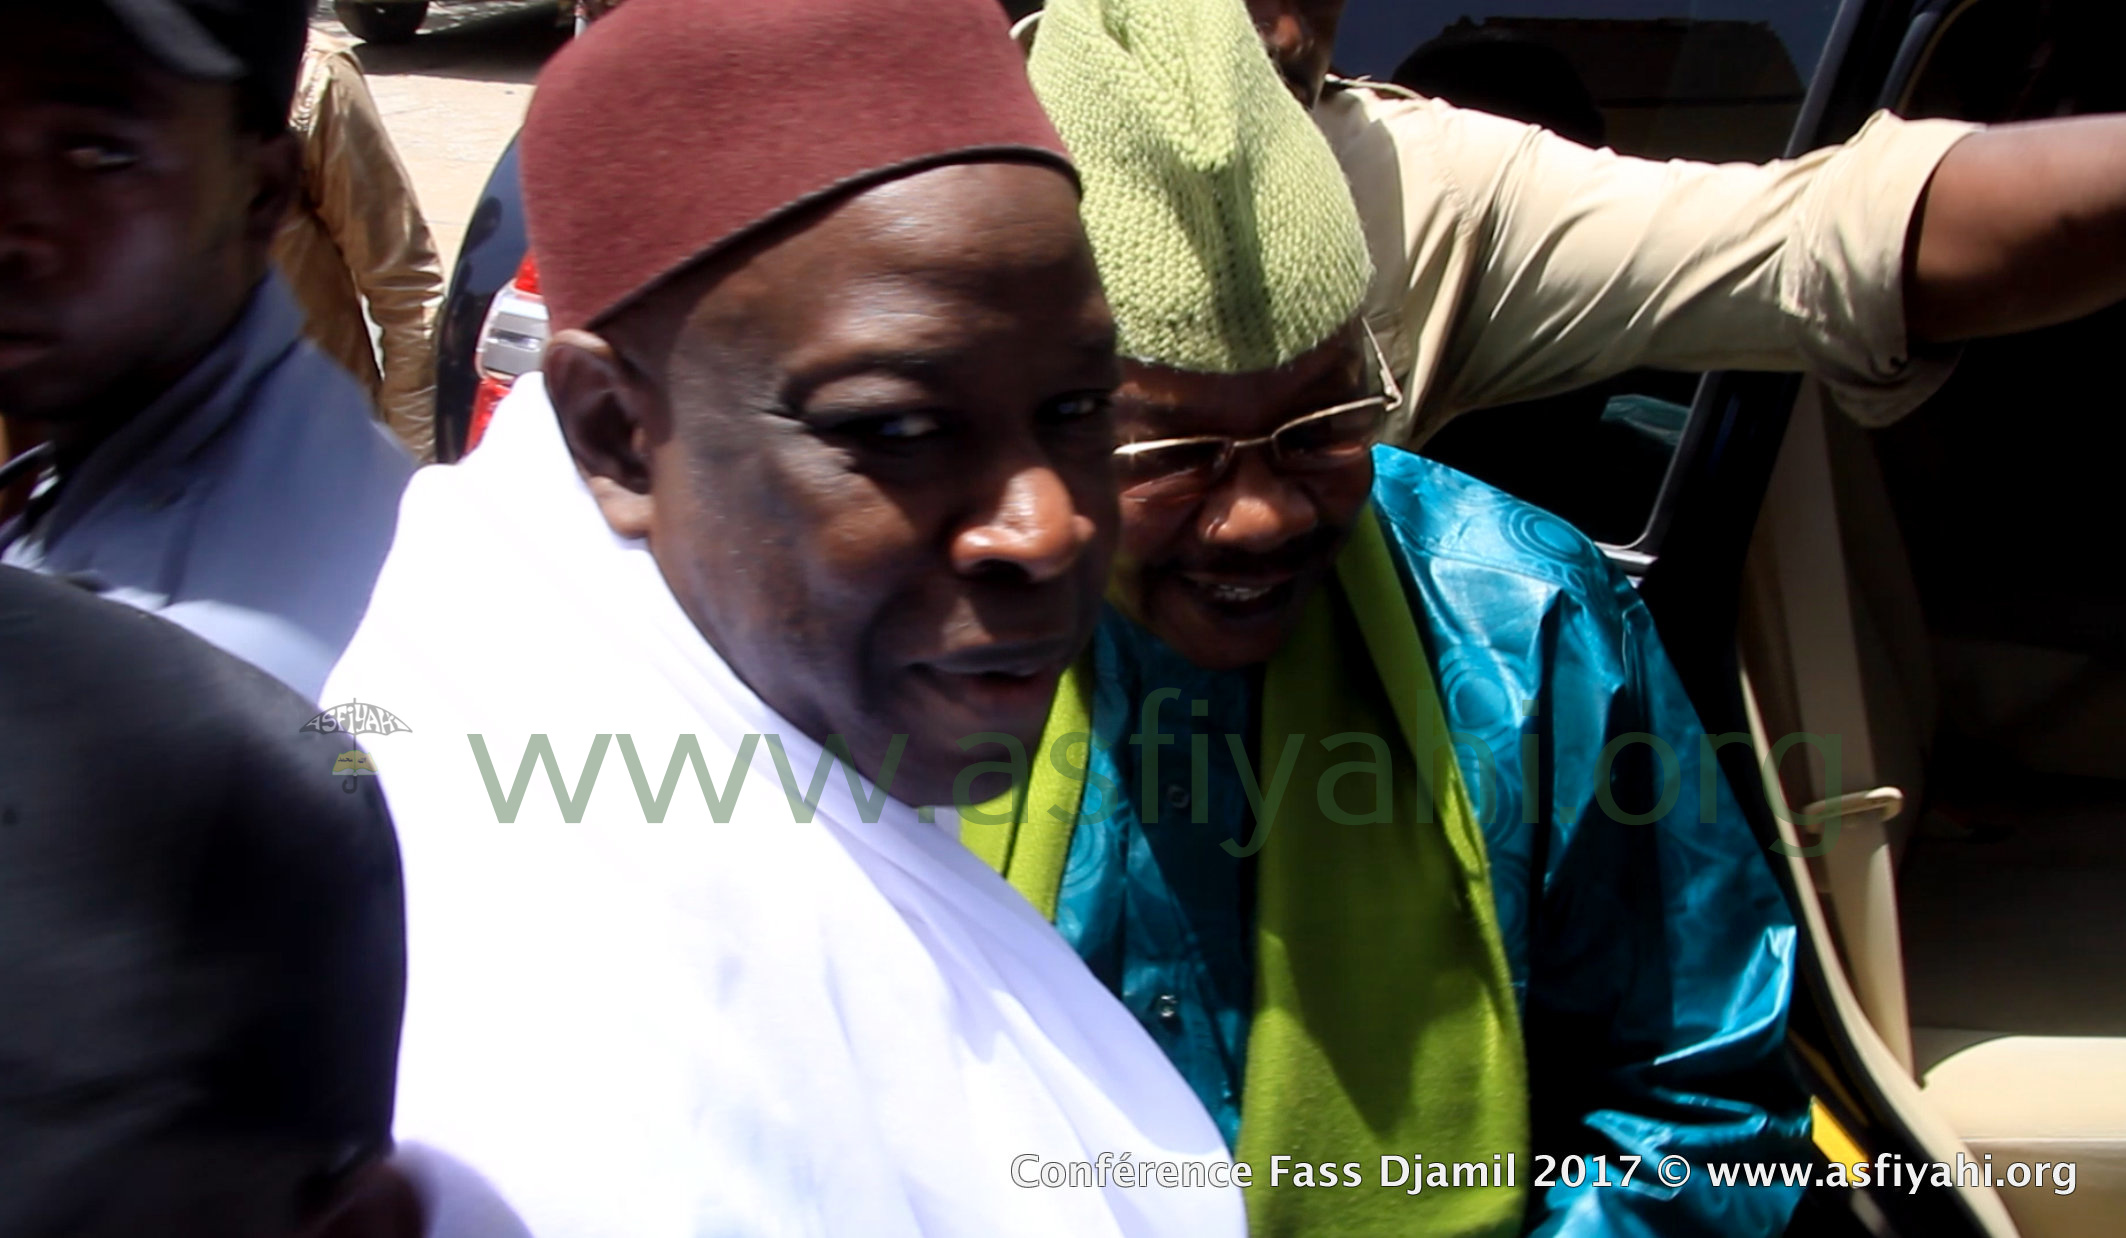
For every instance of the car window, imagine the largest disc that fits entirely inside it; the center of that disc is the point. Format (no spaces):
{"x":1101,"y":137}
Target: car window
{"x":1964,"y":491}
{"x":1714,"y":80}
{"x":1682,"y":79}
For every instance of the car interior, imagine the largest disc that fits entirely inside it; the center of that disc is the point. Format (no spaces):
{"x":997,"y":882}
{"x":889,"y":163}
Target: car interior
{"x":1714,"y":88}
{"x":1933,"y":595}
{"x":1909,"y":596}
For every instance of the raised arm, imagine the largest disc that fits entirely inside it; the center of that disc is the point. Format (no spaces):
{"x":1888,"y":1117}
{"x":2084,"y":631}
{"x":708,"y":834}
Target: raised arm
{"x":1513,"y":263}
{"x":2022,"y":226}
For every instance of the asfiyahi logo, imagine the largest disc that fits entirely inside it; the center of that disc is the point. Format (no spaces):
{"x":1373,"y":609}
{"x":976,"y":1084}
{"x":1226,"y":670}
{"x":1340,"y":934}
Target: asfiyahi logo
{"x":355,"y":719}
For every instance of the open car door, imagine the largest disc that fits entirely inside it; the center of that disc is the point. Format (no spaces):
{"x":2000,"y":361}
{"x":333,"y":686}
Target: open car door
{"x":1917,"y":661}
{"x":1913,"y":619}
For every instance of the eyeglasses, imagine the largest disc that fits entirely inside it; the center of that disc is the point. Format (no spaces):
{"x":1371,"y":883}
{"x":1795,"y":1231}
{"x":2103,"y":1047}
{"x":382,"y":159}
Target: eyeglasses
{"x":1174,"y":470}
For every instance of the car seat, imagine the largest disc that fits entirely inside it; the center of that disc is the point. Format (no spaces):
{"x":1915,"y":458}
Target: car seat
{"x":1836,"y":642}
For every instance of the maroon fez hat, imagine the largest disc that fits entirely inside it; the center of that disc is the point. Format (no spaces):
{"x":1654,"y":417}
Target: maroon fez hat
{"x":673,"y":128}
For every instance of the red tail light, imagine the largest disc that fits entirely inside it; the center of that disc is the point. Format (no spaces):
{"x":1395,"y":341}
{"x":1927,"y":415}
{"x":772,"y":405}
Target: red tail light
{"x":484,"y":398}
{"x":510,"y":343}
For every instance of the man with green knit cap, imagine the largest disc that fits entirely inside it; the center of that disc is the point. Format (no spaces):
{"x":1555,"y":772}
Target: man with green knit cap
{"x":1362,"y":800}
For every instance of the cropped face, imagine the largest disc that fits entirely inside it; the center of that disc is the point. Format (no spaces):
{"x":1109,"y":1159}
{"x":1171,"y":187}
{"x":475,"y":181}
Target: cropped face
{"x":877,"y":473}
{"x":1301,"y":37}
{"x":134,"y":216}
{"x":1218,"y":557}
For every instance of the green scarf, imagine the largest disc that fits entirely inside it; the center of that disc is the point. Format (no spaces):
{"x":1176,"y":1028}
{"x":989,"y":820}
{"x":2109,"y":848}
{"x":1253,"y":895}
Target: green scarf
{"x":1385,"y":1022}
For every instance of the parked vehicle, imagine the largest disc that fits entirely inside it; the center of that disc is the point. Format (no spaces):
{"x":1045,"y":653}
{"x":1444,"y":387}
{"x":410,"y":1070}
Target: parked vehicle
{"x":381,"y":21}
{"x":385,"y":21}
{"x":490,"y":258}
{"x":1931,"y":595}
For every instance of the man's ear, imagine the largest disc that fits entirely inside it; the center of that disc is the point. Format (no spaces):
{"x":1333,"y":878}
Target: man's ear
{"x":278,"y":184}
{"x":603,"y":404}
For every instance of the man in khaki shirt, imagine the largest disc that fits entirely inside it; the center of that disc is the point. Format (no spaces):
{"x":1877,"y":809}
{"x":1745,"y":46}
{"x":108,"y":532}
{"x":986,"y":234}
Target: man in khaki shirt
{"x":1511,"y":263}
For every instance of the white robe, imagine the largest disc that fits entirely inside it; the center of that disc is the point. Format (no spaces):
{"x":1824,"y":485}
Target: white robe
{"x":638,"y":1030}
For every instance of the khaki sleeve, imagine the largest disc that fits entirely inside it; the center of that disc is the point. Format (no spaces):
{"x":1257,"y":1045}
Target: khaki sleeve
{"x":1583,"y":263}
{"x":365,"y":199}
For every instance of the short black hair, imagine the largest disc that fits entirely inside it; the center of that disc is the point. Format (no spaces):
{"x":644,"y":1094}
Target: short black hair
{"x":201,"y":934}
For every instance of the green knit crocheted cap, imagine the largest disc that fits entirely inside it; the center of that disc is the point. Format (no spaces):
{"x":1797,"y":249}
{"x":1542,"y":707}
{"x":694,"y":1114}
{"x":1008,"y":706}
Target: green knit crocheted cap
{"x":1224,"y":231}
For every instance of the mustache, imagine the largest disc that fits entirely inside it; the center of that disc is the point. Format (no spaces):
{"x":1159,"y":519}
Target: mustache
{"x":1294,"y":556}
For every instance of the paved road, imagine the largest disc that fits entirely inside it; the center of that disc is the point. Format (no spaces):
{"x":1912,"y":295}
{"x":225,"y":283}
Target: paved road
{"x":455,"y":95}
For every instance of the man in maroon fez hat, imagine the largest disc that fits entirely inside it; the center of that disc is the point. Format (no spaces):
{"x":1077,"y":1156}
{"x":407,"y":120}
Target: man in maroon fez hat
{"x":816,"y":475}
{"x":940,"y":440}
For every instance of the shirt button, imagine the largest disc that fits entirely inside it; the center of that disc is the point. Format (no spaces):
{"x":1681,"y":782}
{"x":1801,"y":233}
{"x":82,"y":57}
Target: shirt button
{"x":1167,"y":1007}
{"x":1176,"y":796}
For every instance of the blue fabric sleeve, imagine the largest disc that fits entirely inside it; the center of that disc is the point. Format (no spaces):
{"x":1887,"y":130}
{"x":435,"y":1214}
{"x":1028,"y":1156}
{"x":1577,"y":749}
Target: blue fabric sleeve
{"x":1661,"y":959}
{"x":1654,"y":955}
